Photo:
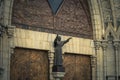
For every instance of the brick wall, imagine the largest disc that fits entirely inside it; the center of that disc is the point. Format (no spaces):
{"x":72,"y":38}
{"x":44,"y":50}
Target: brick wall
{"x":73,"y":17}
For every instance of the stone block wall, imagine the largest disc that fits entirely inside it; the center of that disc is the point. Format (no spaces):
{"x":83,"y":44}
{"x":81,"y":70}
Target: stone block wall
{"x":42,"y":40}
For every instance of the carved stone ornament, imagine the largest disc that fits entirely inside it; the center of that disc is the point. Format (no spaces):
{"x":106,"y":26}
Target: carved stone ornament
{"x":104,"y":45}
{"x":10,"y":31}
{"x":2,"y":29}
{"x":93,"y":61}
{"x":97,"y":44}
{"x":116,"y":44}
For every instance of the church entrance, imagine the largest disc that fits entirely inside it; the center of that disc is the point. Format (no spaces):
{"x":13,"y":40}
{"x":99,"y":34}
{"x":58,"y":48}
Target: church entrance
{"x":28,"y":64}
{"x":77,"y":67}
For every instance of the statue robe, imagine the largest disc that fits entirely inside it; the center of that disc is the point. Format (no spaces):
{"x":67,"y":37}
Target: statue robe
{"x":58,"y":53}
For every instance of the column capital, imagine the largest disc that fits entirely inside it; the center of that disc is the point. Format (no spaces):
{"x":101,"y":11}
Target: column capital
{"x":50,"y":55}
{"x":104,"y":44}
{"x":97,"y":45}
{"x":93,"y":61}
{"x":10,"y":31}
{"x":116,"y":44}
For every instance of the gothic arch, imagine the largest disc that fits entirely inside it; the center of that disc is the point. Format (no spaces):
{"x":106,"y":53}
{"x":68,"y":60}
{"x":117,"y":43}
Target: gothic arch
{"x":94,"y":6}
{"x":110,"y":29}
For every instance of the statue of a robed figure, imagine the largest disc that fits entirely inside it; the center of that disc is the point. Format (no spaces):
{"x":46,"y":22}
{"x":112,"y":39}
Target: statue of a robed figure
{"x":58,"y":61}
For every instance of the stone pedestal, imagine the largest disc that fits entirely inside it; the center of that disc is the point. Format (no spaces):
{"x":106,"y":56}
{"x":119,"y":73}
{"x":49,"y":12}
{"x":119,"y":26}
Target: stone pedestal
{"x":58,"y":72}
{"x":58,"y":75}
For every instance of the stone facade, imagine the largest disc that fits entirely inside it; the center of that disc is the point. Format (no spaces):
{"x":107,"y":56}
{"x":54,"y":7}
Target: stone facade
{"x":108,"y":59}
{"x":104,"y":15}
{"x":42,"y":40}
{"x":107,"y":67}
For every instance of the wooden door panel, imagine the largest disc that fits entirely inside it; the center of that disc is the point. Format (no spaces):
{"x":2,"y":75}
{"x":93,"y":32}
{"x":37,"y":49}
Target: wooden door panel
{"x":18,"y":62}
{"x":83,"y":68}
{"x":69,"y":63}
{"x":77,"y":67}
{"x":29,"y":64}
{"x":38,"y":68}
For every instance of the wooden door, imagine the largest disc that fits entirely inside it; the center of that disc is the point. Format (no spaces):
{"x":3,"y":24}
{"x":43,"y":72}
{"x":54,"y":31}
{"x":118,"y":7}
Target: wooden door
{"x":77,"y":67}
{"x":27,"y":64}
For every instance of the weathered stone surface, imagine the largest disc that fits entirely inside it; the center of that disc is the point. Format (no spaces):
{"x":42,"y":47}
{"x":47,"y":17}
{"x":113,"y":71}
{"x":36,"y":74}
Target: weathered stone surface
{"x":106,"y":11}
{"x":1,"y":10}
{"x":73,"y":17}
{"x":45,"y":42}
{"x":117,"y":11}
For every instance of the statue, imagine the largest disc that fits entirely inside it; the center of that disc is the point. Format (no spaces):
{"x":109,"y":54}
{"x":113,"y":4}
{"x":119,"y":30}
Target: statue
{"x":58,"y":44}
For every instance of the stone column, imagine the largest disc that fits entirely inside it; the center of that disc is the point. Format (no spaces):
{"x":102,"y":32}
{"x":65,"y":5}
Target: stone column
{"x":0,"y":47}
{"x":93,"y":64}
{"x":96,"y":75}
{"x":116,"y":45}
{"x":1,"y":54}
{"x":8,"y":48}
{"x":104,"y":47}
{"x":2,"y":50}
{"x":51,"y":57}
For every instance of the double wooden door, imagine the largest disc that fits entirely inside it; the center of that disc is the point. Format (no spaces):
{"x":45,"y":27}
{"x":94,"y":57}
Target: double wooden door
{"x":77,"y":67}
{"x":27,"y":64}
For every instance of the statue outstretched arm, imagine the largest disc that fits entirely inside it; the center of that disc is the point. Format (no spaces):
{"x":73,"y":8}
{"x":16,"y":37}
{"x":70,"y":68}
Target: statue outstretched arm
{"x":66,"y":40}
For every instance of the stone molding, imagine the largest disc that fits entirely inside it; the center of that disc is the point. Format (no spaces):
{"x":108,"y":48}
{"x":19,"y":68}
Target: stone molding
{"x":10,"y":31}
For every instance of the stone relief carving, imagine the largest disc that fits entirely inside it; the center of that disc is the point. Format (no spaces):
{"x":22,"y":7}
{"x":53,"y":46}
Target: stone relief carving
{"x":10,"y":31}
{"x":106,"y":11}
{"x":108,"y":15}
{"x":117,"y":11}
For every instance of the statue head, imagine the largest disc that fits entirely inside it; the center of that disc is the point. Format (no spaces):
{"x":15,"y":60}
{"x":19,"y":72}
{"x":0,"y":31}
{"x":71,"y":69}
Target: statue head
{"x":59,"y":38}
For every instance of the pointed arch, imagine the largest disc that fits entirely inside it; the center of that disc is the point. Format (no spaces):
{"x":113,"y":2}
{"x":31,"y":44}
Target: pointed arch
{"x":73,"y":19}
{"x":111,"y":30}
